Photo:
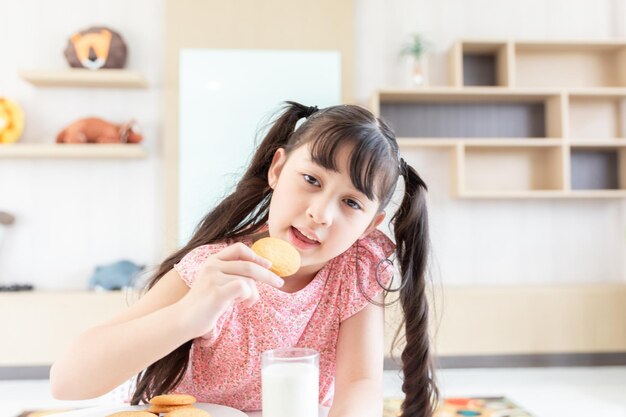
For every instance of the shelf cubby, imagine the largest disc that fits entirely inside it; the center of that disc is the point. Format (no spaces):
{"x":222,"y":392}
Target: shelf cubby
{"x":596,"y":116}
{"x":510,"y":169}
{"x":472,"y":113}
{"x":598,"y":167}
{"x":480,"y":64}
{"x":573,"y":64}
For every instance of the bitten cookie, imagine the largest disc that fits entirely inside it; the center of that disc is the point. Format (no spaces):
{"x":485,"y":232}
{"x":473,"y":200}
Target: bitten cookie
{"x":188,"y":412}
{"x":173,"y":399}
{"x":284,"y":257}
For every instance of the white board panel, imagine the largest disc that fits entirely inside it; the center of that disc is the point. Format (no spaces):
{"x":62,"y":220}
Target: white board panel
{"x":226,"y":97}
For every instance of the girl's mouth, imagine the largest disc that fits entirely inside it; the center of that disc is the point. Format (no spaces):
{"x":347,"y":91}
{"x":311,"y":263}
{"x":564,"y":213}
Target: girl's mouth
{"x":301,"y":241}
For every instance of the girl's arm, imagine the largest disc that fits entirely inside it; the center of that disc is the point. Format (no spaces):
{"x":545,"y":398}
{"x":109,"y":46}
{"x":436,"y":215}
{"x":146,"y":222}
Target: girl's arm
{"x":169,"y":315}
{"x":105,"y":356}
{"x":359,"y":374}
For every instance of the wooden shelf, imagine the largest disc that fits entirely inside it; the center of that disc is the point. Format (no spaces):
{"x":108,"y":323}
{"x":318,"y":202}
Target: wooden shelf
{"x":104,"y":78}
{"x":87,"y":151}
{"x":530,"y":319}
{"x":46,"y":322}
{"x":522,"y":119}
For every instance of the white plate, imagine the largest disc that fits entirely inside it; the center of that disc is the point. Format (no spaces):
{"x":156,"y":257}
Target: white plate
{"x":216,"y":410}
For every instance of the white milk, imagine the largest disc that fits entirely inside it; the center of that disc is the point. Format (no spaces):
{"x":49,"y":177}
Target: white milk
{"x":290,"y":390}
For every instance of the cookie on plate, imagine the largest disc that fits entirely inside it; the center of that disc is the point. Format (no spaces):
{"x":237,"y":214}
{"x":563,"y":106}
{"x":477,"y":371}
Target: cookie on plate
{"x":173,"y":399}
{"x":188,"y":412}
{"x":158,"y":409}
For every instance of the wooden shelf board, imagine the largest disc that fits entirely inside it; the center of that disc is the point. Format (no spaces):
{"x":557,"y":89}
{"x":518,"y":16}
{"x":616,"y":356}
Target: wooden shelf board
{"x":538,"y":194}
{"x":466,"y":94}
{"x":570,"y":45}
{"x":600,"y":92}
{"x":121,"y":151}
{"x":486,"y":142}
{"x":516,"y":143}
{"x":482,"y":46}
{"x":105,"y":78}
{"x":582,"y":143}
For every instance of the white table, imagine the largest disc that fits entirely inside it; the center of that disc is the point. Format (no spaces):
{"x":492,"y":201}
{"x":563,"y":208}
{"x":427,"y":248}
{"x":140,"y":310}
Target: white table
{"x":323,"y":412}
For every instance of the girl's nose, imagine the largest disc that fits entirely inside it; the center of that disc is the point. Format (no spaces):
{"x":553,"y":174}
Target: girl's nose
{"x":320,"y":211}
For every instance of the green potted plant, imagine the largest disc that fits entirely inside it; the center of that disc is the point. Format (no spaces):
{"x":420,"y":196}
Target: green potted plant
{"x":416,"y":49}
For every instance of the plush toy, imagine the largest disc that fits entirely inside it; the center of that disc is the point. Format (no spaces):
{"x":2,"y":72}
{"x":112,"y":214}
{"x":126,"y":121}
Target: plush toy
{"x":115,"y":276}
{"x":94,"y":130}
{"x":95,"y":48}
{"x":11,"y":121}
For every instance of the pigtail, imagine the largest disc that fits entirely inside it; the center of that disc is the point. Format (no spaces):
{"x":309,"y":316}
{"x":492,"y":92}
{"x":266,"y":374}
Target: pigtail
{"x":412,"y":248}
{"x":247,"y":207}
{"x":244,"y":210}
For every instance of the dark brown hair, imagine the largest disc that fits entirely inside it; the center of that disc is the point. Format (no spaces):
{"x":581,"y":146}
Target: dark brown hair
{"x":375,"y":167}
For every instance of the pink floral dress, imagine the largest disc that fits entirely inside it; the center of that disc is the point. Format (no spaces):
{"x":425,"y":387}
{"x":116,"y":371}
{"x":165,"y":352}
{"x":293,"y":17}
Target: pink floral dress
{"x":225,"y":365}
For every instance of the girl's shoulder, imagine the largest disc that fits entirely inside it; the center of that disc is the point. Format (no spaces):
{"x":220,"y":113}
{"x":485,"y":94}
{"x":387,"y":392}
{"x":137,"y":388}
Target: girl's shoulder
{"x":364,"y":273}
{"x":378,"y":243}
{"x":375,"y":246}
{"x":370,"y":256}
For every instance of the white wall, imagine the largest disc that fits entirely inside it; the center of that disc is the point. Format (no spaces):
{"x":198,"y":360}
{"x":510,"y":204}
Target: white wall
{"x":496,"y":242}
{"x":73,"y":214}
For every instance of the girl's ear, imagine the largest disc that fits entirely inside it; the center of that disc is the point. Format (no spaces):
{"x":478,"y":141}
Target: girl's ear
{"x":278,"y":161}
{"x":378,"y":219}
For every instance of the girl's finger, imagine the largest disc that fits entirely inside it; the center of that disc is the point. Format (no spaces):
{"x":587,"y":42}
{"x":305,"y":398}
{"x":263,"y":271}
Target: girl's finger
{"x":252,"y":270}
{"x":254,"y":297}
{"x":235,"y":289}
{"x":240,"y":251}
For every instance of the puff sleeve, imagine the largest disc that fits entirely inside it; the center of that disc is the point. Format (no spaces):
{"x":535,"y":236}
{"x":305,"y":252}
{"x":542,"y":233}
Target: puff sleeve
{"x":362,"y":261}
{"x":188,"y":267}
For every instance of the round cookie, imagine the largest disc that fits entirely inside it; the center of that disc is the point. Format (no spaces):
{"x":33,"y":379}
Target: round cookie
{"x":284,"y":257}
{"x":158,"y":409}
{"x":188,"y":412}
{"x":173,"y":399}
{"x":132,"y":414}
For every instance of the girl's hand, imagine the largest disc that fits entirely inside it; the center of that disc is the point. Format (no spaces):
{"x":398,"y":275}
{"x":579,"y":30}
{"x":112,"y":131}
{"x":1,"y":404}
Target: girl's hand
{"x":225,"y":277}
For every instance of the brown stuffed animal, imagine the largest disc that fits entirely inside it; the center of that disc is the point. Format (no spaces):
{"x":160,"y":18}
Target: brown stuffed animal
{"x":95,"y":48}
{"x":94,"y":130}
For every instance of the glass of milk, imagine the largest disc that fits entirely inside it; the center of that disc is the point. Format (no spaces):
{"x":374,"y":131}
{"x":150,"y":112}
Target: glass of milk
{"x":290,"y":382}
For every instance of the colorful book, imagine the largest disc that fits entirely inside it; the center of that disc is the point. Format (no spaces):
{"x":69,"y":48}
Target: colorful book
{"x":465,"y":406}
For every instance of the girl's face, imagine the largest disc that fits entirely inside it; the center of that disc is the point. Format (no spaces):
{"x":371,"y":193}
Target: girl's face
{"x":317,"y":210}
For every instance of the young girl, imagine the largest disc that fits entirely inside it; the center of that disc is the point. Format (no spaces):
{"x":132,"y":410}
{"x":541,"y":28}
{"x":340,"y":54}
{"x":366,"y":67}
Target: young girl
{"x":213,"y":307}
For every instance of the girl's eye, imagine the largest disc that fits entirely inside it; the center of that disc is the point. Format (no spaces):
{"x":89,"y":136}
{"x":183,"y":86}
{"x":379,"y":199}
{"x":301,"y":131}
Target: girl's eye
{"x":353,"y":204}
{"x":311,"y":180}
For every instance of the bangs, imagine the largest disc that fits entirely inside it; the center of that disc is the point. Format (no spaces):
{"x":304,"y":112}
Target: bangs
{"x":371,"y":165}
